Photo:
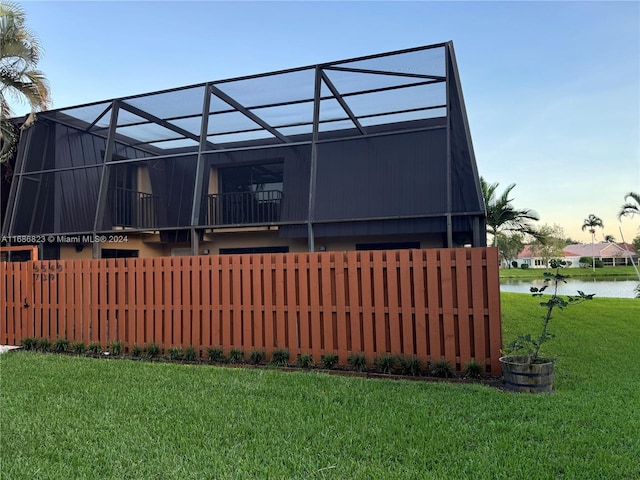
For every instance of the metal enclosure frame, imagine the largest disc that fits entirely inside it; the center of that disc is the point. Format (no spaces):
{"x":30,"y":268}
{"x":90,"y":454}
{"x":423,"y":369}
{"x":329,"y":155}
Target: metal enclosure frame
{"x":175,"y":134}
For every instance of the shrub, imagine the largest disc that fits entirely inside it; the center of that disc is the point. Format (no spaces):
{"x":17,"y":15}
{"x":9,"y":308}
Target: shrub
{"x":329,"y":360}
{"x":29,"y":343}
{"x":587,"y":262}
{"x":136,"y":350}
{"x":305,"y":361}
{"x":190,"y":354}
{"x":357,"y":361}
{"x":235,"y":356}
{"x":410,"y":365}
{"x":44,"y":345}
{"x":175,"y":353}
{"x":215,"y":354}
{"x":256,"y":357}
{"x":61,"y":345}
{"x":514,"y":264}
{"x":441,"y":369}
{"x":79,"y":347}
{"x":153,"y":350}
{"x":385,"y":363}
{"x":94,"y":347}
{"x":280,"y":357}
{"x":116,"y":348}
{"x":473,"y":369}
{"x":524,"y":266}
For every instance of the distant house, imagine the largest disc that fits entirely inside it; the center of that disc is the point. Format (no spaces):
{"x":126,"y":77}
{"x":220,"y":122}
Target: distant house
{"x":528,"y":257}
{"x":611,"y":254}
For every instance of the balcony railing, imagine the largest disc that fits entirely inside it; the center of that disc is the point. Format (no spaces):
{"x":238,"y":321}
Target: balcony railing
{"x":130,"y":208}
{"x":243,"y":208}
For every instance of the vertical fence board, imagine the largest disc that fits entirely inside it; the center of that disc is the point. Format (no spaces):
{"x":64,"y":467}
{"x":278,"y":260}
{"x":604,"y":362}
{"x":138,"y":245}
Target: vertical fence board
{"x":493,"y":298}
{"x":293,"y":316}
{"x":418,"y":267}
{"x":236,"y":308}
{"x":304,"y":307}
{"x":258,"y":301}
{"x":157,"y":306}
{"x":379,"y":304}
{"x":462,"y":284}
{"x":5,"y":299}
{"x":394,"y":314}
{"x":246,"y":301}
{"x":408,"y":314}
{"x":24,"y":303}
{"x":206,"y":304}
{"x":186,"y":305}
{"x":111,"y":303}
{"x":121,"y":295}
{"x":101,"y":278}
{"x":225,"y":300}
{"x":314,"y":304}
{"x":448,"y":320}
{"x":10,"y":276}
{"x":433,"y":304}
{"x":341,"y":308}
{"x":216,"y":311}
{"x":354,"y":304}
{"x":46,"y":301}
{"x":368,"y":327}
{"x":269,"y":305}
{"x":278,"y":289}
{"x":85,"y":286}
{"x":477,"y":297}
{"x":63,"y":278}
{"x":326,"y":304}
{"x":291,"y":312}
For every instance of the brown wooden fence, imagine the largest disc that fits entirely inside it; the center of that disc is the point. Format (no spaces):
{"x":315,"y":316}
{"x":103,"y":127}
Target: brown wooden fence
{"x":435,"y":303}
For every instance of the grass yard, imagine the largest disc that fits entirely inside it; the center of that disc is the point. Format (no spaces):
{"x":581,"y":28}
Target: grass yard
{"x":67,"y":417}
{"x":602,"y":273}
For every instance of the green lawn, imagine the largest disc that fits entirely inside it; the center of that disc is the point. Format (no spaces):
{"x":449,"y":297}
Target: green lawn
{"x":603,"y":273}
{"x":66,"y":417}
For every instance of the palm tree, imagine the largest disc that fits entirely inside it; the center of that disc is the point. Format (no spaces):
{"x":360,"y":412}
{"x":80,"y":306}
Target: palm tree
{"x":591,"y":223}
{"x":609,"y":238}
{"x":630,"y":208}
{"x":502,"y":216}
{"x":20,"y":81}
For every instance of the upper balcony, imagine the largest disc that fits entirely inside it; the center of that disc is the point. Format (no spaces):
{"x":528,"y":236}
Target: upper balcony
{"x":133,"y":209}
{"x":243,"y":208}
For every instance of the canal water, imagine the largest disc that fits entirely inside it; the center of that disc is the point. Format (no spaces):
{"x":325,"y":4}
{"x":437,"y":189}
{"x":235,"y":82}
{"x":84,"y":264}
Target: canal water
{"x":618,"y":288}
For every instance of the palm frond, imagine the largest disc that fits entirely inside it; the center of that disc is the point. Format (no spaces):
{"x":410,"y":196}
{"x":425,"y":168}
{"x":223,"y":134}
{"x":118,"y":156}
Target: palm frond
{"x":629,"y":209}
{"x":20,"y":80}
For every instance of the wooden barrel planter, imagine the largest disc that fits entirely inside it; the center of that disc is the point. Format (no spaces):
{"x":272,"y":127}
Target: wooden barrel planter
{"x":520,"y":376}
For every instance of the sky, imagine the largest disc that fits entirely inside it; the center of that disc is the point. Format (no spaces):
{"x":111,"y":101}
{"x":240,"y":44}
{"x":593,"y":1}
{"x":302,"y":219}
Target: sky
{"x":552,"y":89}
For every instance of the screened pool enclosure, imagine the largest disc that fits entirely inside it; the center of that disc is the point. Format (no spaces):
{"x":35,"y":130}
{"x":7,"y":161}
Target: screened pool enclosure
{"x":377,"y":145}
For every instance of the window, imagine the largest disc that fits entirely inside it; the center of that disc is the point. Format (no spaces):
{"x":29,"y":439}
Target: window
{"x":238,"y":251}
{"x":387,"y":246}
{"x":118,"y":253}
